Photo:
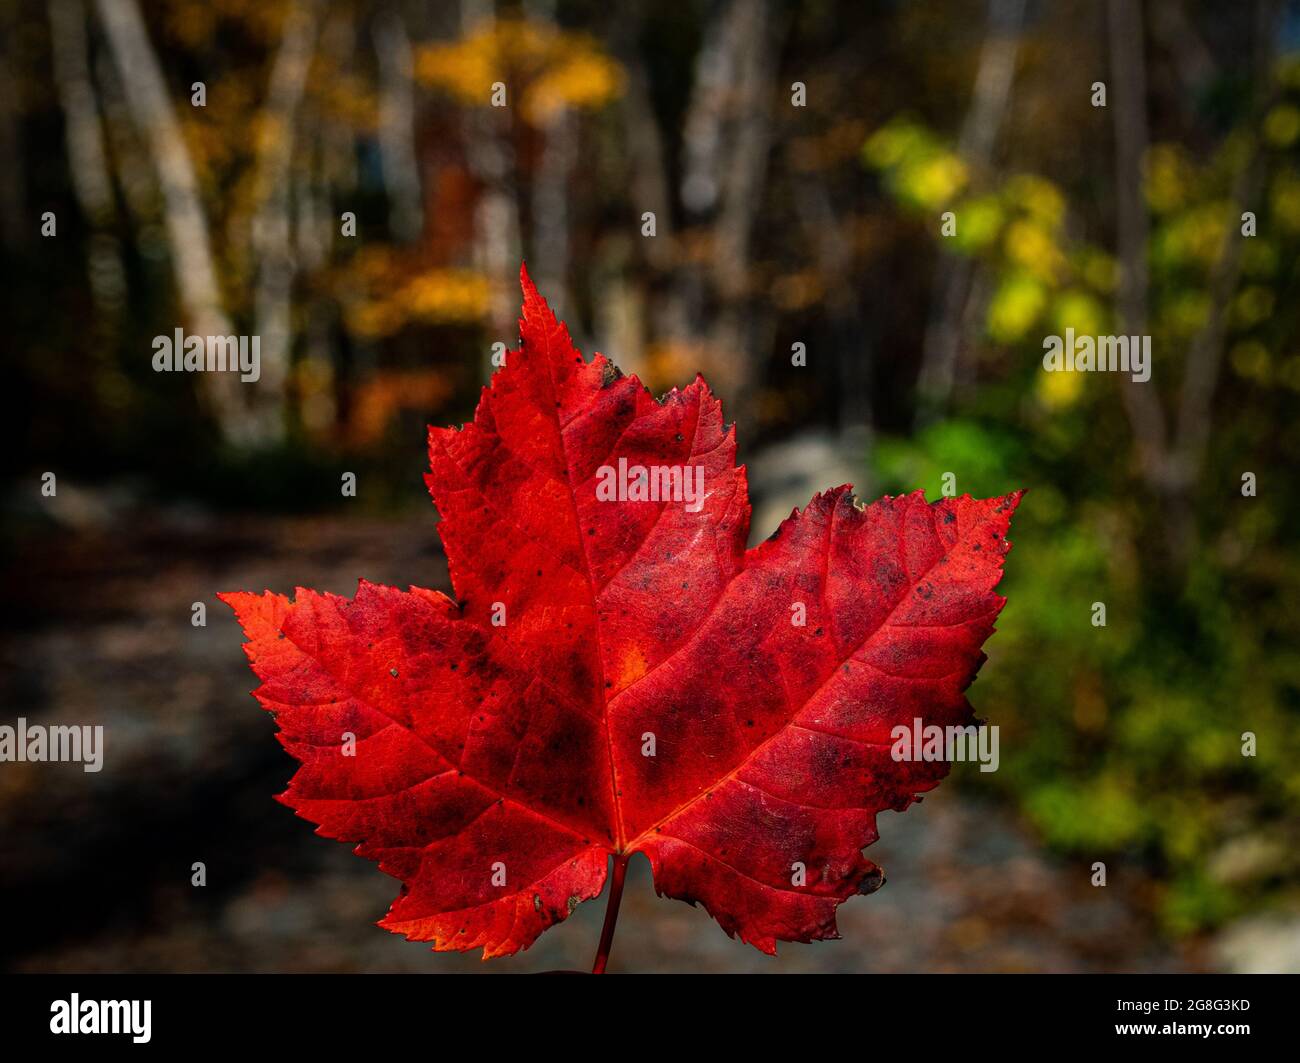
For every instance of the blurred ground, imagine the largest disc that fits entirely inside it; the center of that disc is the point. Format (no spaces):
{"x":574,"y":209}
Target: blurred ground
{"x":95,"y":868}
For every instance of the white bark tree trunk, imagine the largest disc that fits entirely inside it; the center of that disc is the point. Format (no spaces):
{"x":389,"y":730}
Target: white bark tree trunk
{"x":187,"y":226}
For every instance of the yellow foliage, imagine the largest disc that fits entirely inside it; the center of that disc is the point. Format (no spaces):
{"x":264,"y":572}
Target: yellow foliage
{"x":892,"y":143}
{"x":217,"y":135}
{"x":1059,"y":389}
{"x":446,"y":295}
{"x":586,"y":81}
{"x":979,"y":221}
{"x":1186,"y":312}
{"x":191,"y":24}
{"x":1031,"y":247}
{"x":1098,"y":269}
{"x":1015,"y":306}
{"x":1258,"y":258}
{"x":1289,"y":373}
{"x":1284,"y":198}
{"x":1080,"y":311}
{"x":1282,"y":125}
{"x":1197,"y":234}
{"x":1251,"y":306}
{"x":551,"y":69}
{"x":1250,"y":359}
{"x":195,"y":25}
{"x":1288,"y":71}
{"x":1036,"y":196}
{"x":1169,"y":176}
{"x":932,"y":181}
{"x":393,"y":297}
{"x":347,"y":98}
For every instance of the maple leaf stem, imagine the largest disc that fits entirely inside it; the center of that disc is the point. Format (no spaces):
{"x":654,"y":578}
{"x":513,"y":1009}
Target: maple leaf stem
{"x":611,"y":914}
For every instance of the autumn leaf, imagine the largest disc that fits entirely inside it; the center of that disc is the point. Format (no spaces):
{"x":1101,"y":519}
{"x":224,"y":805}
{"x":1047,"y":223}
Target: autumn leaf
{"x":620,"y":675}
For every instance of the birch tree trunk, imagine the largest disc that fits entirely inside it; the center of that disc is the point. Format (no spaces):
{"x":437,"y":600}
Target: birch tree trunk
{"x":496,"y":214}
{"x":397,"y":126}
{"x":92,"y":182}
{"x":186,"y":224}
{"x":272,"y":237}
{"x":551,"y":208}
{"x":728,"y":132}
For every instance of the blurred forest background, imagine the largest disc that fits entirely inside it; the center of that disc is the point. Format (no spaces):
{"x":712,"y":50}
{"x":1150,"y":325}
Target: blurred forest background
{"x":199,"y":160}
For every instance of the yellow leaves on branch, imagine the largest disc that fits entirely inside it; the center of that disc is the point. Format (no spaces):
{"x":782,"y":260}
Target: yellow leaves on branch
{"x":918,"y":168}
{"x":546,"y":70}
{"x":1170,"y":177}
{"x":383,"y":293}
{"x":197,"y":25}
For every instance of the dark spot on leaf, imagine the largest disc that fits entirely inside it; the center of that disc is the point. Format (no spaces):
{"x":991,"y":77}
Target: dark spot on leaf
{"x":875,"y":878}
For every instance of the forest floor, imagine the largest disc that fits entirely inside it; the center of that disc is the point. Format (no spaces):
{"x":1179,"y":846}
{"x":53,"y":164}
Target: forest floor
{"x":95,"y":869}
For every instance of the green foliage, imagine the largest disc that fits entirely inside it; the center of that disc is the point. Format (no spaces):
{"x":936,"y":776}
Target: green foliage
{"x":1124,"y":743}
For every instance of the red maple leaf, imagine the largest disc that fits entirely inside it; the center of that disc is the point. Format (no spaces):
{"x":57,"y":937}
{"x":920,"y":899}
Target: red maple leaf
{"x":622,"y":676}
